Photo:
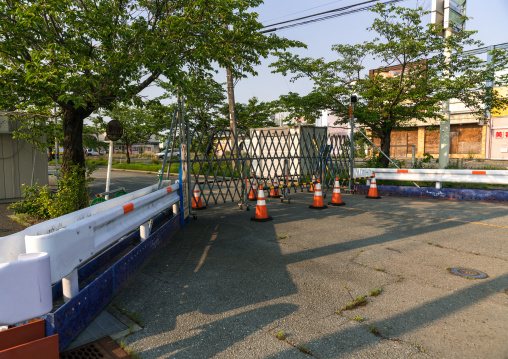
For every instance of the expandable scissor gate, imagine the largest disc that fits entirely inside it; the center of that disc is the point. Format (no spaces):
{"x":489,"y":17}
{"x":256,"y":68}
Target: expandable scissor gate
{"x":224,"y":165}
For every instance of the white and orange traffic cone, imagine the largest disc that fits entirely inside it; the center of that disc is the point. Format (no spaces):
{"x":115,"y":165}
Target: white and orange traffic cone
{"x":373,"y":189}
{"x":274,"y":193}
{"x":253,"y":191}
{"x":336,"y":198}
{"x":261,"y":211}
{"x":196,"y":200}
{"x":318,"y":197}
{"x":312,"y":184}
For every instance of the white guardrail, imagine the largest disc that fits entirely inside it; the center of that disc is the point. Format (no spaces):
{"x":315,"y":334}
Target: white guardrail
{"x":436,"y":175}
{"x":33,"y":259}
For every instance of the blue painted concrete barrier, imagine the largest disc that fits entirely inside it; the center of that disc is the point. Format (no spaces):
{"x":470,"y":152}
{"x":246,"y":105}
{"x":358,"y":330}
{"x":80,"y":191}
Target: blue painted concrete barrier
{"x":460,"y":194}
{"x":72,"y":317}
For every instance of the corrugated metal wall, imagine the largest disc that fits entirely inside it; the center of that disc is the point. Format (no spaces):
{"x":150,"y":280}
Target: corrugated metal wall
{"x":20,"y":163}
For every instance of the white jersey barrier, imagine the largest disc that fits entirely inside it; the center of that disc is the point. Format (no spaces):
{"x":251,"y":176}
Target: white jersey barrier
{"x":26,"y":288}
{"x":56,"y":248}
{"x":13,"y":245}
{"x":75,"y":244}
{"x":437,"y":175}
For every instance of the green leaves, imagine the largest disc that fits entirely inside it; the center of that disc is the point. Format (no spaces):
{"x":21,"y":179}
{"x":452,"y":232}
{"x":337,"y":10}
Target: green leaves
{"x":412,"y":80}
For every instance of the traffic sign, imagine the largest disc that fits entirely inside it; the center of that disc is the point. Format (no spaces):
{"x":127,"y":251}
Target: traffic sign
{"x":114,"y":130}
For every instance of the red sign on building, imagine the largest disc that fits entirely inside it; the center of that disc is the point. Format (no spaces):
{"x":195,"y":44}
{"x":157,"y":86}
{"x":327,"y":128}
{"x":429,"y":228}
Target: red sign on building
{"x":499,"y":134}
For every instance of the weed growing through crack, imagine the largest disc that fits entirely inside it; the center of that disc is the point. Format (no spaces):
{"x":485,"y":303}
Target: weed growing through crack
{"x":128,"y":350}
{"x":375,"y":292}
{"x":358,"y":319}
{"x":419,"y":347}
{"x":303,"y":349}
{"x":283,"y":237}
{"x":374,"y":331}
{"x":349,"y":292}
{"x":379,"y":269}
{"x":359,"y":301}
{"x":438,"y":245}
{"x":281,"y":335}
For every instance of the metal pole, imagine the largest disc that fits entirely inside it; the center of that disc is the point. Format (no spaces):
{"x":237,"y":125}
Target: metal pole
{"x":444,"y":126}
{"x":110,"y":163}
{"x":166,"y":152}
{"x":351,"y":147}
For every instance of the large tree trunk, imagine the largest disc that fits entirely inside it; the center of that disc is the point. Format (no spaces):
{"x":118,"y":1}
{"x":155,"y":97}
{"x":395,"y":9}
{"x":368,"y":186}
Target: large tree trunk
{"x":74,"y":156}
{"x":127,"y":152}
{"x":73,"y":138}
{"x":385,"y":147}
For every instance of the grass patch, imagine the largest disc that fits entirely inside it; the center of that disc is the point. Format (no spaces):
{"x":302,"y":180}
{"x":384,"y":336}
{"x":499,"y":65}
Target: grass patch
{"x":128,"y":350}
{"x":375,"y":292}
{"x":25,"y":219}
{"x":359,"y":301}
{"x":146,"y":167}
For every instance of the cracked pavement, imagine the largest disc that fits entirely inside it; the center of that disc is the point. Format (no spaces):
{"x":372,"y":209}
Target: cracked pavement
{"x":224,"y":287}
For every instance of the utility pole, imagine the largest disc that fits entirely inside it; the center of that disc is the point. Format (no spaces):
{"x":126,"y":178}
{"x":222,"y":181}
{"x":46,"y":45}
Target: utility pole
{"x":447,"y":13}
{"x":444,"y":126}
{"x":352,"y":100}
{"x":232,"y":113}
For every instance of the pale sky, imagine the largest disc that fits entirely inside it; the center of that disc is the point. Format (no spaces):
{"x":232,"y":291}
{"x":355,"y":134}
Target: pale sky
{"x":489,"y":17}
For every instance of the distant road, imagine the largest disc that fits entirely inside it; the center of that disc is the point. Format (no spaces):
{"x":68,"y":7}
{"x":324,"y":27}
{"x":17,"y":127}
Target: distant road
{"x":130,"y":180}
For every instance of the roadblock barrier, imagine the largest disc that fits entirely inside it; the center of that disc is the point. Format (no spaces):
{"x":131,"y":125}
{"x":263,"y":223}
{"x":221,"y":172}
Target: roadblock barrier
{"x":52,"y":250}
{"x":81,"y":240}
{"x":439,"y":175}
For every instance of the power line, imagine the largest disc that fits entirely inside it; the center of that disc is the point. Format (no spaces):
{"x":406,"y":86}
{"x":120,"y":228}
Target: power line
{"x":322,"y":13}
{"x":299,"y":12}
{"x":325,"y":17}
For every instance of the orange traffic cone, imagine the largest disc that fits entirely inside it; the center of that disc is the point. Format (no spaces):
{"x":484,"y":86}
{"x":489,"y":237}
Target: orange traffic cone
{"x":196,"y":200}
{"x":373,"y":189}
{"x":336,"y":198}
{"x":253,"y":190}
{"x":274,"y":193}
{"x":312,"y":184}
{"x":318,"y":197}
{"x":261,"y":212}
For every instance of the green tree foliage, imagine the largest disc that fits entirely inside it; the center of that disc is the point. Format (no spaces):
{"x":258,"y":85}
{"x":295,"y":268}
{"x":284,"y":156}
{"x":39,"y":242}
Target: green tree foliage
{"x":84,"y":55}
{"x":139,"y":124}
{"x":410,"y":83}
{"x":253,"y":114}
{"x":203,"y":98}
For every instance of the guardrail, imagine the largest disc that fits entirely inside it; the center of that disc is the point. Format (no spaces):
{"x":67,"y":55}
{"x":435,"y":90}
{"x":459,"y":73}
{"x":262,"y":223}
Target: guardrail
{"x":438,"y":175}
{"x":66,"y":243}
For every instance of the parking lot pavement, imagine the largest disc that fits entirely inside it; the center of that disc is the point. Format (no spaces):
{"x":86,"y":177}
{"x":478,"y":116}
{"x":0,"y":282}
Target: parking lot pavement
{"x":228,"y":287}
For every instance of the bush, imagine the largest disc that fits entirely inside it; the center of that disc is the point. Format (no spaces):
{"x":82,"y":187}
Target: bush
{"x":41,"y":203}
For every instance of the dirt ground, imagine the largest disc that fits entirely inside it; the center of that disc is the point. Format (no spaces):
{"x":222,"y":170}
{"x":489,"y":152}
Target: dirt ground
{"x":7,"y":225}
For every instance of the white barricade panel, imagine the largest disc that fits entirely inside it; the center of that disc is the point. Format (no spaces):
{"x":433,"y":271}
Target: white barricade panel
{"x":26,"y":288}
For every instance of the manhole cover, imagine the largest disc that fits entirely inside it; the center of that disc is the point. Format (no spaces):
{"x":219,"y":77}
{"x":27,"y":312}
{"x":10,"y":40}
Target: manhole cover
{"x":469,"y":273}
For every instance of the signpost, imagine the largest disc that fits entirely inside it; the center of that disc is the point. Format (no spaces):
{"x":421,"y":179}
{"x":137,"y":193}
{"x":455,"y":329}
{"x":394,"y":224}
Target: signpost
{"x":114,"y":132}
